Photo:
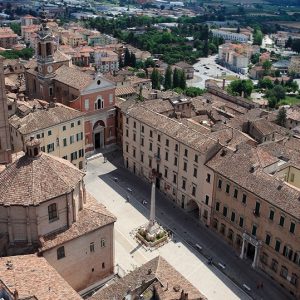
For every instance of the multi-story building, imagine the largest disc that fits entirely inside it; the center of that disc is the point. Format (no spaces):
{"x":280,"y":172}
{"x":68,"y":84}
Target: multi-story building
{"x":49,"y":211}
{"x":230,"y":36}
{"x":256,"y":208}
{"x":7,"y":38}
{"x":52,"y":77}
{"x":153,"y":140}
{"x":106,"y":61}
{"x":59,"y":128}
{"x":236,"y":56}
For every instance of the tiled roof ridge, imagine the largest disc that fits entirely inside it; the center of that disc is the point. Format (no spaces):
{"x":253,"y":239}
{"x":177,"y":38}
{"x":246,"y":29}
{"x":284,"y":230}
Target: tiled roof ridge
{"x":100,"y":213}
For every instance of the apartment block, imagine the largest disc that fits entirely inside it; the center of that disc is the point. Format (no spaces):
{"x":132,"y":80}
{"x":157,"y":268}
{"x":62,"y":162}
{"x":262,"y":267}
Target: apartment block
{"x":59,"y":128}
{"x":230,"y":36}
{"x":256,"y":209}
{"x":7,"y":38}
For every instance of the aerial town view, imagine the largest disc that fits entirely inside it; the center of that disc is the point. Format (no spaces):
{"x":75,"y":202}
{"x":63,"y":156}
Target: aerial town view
{"x":149,"y":149}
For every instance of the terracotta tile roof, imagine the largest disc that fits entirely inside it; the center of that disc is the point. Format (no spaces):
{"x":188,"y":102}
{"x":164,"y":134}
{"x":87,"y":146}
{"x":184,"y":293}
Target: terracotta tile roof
{"x":92,"y":217}
{"x":159,"y":105}
{"x":59,"y":56}
{"x":35,"y":180}
{"x":73,"y":77}
{"x":157,"y":273}
{"x":39,"y":119}
{"x":124,"y":90}
{"x":34,"y":278}
{"x":183,"y":65}
{"x":172,"y":127}
{"x":258,"y":182}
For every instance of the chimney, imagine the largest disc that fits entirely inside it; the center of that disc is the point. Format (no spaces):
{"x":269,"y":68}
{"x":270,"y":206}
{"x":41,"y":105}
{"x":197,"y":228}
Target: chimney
{"x":223,"y":85}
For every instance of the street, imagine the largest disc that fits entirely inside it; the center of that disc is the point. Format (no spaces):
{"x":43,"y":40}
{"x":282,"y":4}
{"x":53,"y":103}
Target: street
{"x":109,"y":182}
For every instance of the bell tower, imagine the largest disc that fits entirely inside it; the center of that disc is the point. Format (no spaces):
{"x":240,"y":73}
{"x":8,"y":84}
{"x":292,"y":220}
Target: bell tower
{"x":45,"y":59}
{"x":5,"y":146}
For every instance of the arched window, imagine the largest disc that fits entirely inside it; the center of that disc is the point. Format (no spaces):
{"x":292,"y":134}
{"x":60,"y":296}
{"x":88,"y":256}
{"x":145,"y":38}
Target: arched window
{"x":99,"y":104}
{"x":52,"y":212}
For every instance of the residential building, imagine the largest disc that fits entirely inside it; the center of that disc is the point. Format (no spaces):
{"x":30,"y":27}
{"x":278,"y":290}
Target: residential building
{"x":230,"y":36}
{"x":187,"y":68}
{"x":32,"y":277}
{"x":49,"y":78}
{"x":7,"y":38}
{"x":5,"y":147}
{"x":28,"y":20}
{"x":236,"y":56}
{"x":256,"y":211}
{"x":106,"y":61}
{"x":156,"y":277}
{"x":48,"y":210}
{"x":59,"y":128}
{"x":292,"y":117}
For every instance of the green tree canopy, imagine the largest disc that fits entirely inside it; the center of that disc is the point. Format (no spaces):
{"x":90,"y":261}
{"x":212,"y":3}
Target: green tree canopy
{"x":168,"y":78}
{"x":155,"y":78}
{"x":240,"y":87}
{"x":281,"y":117}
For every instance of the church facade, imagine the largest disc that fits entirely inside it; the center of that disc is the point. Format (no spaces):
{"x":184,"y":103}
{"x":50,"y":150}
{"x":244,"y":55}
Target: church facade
{"x":53,"y":78}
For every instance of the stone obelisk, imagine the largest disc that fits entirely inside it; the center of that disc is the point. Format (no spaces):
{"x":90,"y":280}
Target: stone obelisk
{"x":152,"y":208}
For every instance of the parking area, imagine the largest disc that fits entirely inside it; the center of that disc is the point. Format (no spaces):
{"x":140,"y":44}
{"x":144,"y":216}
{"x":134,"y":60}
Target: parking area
{"x":207,"y":68}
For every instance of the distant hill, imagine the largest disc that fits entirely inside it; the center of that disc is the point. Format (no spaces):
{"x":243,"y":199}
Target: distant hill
{"x":285,"y":2}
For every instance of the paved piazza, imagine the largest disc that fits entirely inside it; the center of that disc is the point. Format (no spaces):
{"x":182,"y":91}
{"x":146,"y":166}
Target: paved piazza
{"x":129,"y":254}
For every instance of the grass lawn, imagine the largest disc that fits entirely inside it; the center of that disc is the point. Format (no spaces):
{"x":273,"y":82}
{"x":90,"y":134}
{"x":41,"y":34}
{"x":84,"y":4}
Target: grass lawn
{"x":290,"y":100}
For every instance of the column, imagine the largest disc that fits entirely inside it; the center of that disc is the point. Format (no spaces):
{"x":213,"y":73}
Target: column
{"x":243,"y":248}
{"x":254,"y":264}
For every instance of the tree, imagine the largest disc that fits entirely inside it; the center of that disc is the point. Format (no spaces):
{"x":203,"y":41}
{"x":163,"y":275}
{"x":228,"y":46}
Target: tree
{"x":16,"y":27}
{"x":289,"y":43}
{"x":281,"y":117}
{"x":265,"y":83}
{"x":296,"y":45}
{"x":176,"y":78}
{"x":140,"y":96}
{"x":255,"y":58}
{"x":257,"y":37}
{"x":121,"y":65}
{"x":132,"y":60}
{"x":182,"y":80}
{"x":277,"y":93}
{"x":240,"y":87}
{"x":267,"y":67}
{"x":127,"y":58}
{"x":168,"y":78}
{"x":193,"y":91}
{"x":155,"y":78}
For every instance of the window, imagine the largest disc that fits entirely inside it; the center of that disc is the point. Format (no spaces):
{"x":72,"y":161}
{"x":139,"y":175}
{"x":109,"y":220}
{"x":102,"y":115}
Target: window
{"x":65,"y":157}
{"x":219,"y":183}
{"x":81,"y":153}
{"x":134,"y":137}
{"x":232,"y":217}
{"x":185,"y":152}
{"x":175,"y":161}
{"x":86,"y":104}
{"x":294,"y":279}
{"x":208,"y":178}
{"x":150,"y":162}
{"x":50,"y":147}
{"x":268,"y":239}
{"x":158,"y":137}
{"x":134,"y":124}
{"x":244,"y":199}
{"x":241,"y":222}
{"x":74,"y":156}
{"x":126,"y":147}
{"x":174,"y":178}
{"x":142,"y":141}
{"x":225,"y":211}
{"x":64,"y":128}
{"x":257,"y":208}
{"x":127,"y":121}
{"x":78,"y":122}
{"x":176,"y":147}
{"x":99,"y":104}
{"x":206,"y":199}
{"x":92,"y":247}
{"x":271,"y":215}
{"x":195,"y":172}
{"x":194,"y":191}
{"x":167,"y":143}
{"x":142,"y":157}
{"x":264,"y":258}
{"x":150,"y":146}
{"x":281,"y":221}
{"x":184,"y":166}
{"x":217,"y":206}
{"x":151,"y":134}
{"x":254,"y":230}
{"x":72,"y":125}
{"x":111,"y":98}
{"x":167,"y":156}
{"x":65,"y":142}
{"x":166,"y":173}
{"x":142,"y":128}
{"x":133,"y":153}
{"x":61,"y":252}
{"x":49,"y":132}
{"x":103,"y":243}
{"x":227,"y":188}
{"x":274,"y":265}
{"x":235,"y":193}
{"x":103,"y":265}
{"x":183,"y":184}
{"x":277,"y":245}
{"x":127,"y":134}
{"x":292,"y":227}
{"x":287,"y":252}
{"x":196,"y":158}
{"x":52,"y":212}
{"x":284,"y":272}
{"x":71,"y":139}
